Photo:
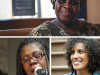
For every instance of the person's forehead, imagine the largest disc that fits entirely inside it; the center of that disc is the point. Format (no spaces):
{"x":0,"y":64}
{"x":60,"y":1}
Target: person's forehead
{"x":30,"y":48}
{"x":77,"y":43}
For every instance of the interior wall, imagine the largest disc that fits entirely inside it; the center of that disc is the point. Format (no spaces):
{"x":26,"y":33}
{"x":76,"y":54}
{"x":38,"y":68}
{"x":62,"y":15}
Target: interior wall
{"x":93,"y":11}
{"x":3,"y":56}
{"x":5,"y":9}
{"x":47,"y":10}
{"x":13,"y":44}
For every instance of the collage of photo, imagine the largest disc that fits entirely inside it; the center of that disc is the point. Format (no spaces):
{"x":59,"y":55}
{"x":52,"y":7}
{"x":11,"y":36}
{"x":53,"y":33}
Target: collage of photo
{"x":50,"y":56}
{"x":49,"y":37}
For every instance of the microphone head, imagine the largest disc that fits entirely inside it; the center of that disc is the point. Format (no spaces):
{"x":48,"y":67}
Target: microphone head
{"x":40,"y":71}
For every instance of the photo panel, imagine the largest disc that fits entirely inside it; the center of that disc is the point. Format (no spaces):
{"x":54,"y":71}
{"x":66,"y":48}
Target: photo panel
{"x":28,"y":56}
{"x":62,"y":50}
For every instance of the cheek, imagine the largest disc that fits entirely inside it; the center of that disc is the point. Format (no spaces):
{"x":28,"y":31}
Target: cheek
{"x":43,"y":63}
{"x":26,"y":69}
{"x":57,"y":7}
{"x":71,"y":57}
{"x":86,"y":58}
{"x":76,"y":10}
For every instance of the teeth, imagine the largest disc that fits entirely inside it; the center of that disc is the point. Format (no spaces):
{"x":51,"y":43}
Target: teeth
{"x":76,"y":62}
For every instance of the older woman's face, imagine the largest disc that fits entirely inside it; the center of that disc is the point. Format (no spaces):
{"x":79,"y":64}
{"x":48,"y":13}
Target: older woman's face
{"x":67,"y":10}
{"x":28,"y":51}
{"x":79,"y":57}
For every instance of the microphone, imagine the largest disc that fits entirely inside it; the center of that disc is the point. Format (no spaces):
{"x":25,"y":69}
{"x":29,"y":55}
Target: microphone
{"x":40,"y":71}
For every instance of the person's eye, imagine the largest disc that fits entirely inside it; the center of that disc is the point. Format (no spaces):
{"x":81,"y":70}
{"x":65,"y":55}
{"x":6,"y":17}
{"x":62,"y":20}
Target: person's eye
{"x":37,"y":56}
{"x":73,"y":3}
{"x":61,"y":1}
{"x":72,"y":52}
{"x":26,"y":60}
{"x":80,"y":51}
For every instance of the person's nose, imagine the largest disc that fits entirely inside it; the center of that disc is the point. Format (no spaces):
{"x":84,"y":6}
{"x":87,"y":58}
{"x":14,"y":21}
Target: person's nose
{"x":75,"y":55}
{"x":67,"y":5}
{"x":33,"y":62}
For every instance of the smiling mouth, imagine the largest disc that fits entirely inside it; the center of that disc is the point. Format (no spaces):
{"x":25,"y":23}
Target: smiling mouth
{"x":77,"y":62}
{"x":66,"y":13}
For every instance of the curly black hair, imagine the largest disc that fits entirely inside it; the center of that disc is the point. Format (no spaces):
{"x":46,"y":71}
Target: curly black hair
{"x":82,"y":2}
{"x":40,"y":42}
{"x":92,"y":47}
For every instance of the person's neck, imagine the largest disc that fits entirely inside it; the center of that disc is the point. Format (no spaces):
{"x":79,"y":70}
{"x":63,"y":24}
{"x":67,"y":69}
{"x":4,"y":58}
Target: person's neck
{"x":72,"y":27}
{"x":83,"y":72}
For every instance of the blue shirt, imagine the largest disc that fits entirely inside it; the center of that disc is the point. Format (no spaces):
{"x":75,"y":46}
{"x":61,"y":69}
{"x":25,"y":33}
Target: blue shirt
{"x":95,"y":73}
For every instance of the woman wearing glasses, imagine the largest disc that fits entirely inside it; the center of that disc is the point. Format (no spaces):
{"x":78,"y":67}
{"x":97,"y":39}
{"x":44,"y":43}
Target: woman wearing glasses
{"x":32,"y":53}
{"x":83,"y":56}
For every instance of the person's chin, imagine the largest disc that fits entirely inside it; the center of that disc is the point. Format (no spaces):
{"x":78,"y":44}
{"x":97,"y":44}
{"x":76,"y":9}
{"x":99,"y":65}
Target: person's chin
{"x":67,"y":20}
{"x":77,"y":67}
{"x":31,"y":74}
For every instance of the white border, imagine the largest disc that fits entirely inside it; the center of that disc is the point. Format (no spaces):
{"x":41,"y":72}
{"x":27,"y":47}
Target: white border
{"x":97,"y":37}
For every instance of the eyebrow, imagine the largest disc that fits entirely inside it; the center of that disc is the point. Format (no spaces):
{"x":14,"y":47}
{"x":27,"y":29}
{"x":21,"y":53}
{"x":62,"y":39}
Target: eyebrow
{"x":36,"y":52}
{"x":81,"y":49}
{"x":78,"y":49}
{"x":26,"y":55}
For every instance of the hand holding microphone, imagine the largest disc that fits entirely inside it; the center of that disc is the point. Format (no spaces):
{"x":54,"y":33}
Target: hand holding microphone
{"x":40,"y":71}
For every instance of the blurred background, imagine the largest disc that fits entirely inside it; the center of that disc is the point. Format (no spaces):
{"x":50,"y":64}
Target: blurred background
{"x":19,"y":17}
{"x":3,"y":56}
{"x":14,"y":9}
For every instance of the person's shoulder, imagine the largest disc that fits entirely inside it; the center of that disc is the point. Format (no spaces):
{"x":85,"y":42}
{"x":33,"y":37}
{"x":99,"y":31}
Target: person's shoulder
{"x":41,"y":29}
{"x":43,"y":25}
{"x":91,"y":25}
{"x":68,"y":73}
{"x":92,"y":29}
{"x":46,"y":23}
{"x":96,"y":73}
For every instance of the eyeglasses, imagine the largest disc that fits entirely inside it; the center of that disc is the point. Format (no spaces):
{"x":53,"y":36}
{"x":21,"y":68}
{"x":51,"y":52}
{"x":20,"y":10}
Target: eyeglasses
{"x":35,"y":57}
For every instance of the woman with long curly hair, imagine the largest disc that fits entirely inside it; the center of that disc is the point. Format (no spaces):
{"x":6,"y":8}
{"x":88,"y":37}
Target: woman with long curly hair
{"x":83,"y":56}
{"x":32,"y":53}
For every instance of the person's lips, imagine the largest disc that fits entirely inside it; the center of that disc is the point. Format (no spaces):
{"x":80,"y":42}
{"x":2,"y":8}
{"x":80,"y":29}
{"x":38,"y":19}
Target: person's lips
{"x":77,"y":62}
{"x":66,"y":13}
{"x":33,"y":71}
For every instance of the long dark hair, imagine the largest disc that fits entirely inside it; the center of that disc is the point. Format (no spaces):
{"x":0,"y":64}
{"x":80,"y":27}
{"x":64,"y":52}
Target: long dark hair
{"x":44,"y":47}
{"x":92,"y":47}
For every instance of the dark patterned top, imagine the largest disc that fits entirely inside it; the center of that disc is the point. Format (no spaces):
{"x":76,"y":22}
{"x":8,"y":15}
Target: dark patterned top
{"x":49,"y":29}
